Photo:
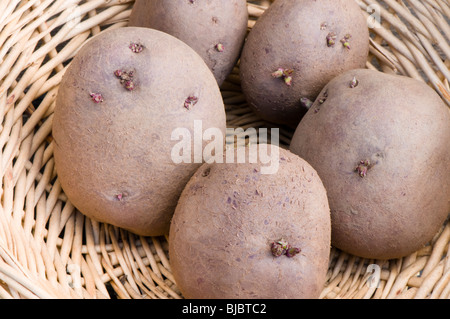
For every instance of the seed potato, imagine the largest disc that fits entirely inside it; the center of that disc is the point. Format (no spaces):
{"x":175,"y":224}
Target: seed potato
{"x":294,"y":49}
{"x":215,"y":29}
{"x":227,"y":219}
{"x":380,"y":144}
{"x":121,"y":98}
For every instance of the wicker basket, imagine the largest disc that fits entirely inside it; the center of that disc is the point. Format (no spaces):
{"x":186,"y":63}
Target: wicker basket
{"x":50,"y":250}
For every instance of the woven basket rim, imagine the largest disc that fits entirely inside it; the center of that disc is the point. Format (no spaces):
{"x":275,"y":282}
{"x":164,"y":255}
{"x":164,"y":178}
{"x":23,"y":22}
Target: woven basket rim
{"x":48,"y":249}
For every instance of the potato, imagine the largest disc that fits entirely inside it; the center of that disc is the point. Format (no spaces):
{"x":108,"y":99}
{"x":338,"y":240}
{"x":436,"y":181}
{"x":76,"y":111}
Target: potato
{"x":230,"y":214}
{"x":121,"y":98}
{"x":380,"y":144}
{"x":216,"y":30}
{"x":295,"y":49}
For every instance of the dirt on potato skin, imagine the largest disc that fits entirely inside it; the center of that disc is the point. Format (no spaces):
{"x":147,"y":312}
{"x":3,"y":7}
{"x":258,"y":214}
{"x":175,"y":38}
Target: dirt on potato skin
{"x":228,"y":216}
{"x":381,"y":149}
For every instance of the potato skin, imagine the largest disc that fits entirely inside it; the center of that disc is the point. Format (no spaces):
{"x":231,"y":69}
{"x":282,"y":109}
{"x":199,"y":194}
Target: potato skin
{"x":113,"y":158}
{"x":292,"y":34}
{"x":202,"y":25}
{"x":403,"y":127}
{"x":226,"y":219}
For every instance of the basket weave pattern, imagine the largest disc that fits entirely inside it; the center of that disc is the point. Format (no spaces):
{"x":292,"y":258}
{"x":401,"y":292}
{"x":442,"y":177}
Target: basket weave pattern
{"x":48,"y":249}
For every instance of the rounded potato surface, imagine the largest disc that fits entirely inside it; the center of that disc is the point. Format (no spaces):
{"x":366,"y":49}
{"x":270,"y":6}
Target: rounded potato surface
{"x":380,"y":144}
{"x":113,"y":130}
{"x":312,"y":41}
{"x":228,"y":216}
{"x":215,"y":29}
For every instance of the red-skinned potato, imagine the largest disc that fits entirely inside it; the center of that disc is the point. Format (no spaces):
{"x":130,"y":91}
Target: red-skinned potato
{"x":380,"y":144}
{"x":119,"y":101}
{"x":230,"y":231}
{"x":215,"y":29}
{"x":294,"y":49}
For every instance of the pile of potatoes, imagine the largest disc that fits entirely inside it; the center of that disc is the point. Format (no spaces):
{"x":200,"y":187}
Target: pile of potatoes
{"x":368,"y":169}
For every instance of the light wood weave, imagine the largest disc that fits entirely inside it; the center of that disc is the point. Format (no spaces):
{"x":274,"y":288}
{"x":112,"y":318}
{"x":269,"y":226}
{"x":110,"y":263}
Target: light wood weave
{"x":50,"y":250}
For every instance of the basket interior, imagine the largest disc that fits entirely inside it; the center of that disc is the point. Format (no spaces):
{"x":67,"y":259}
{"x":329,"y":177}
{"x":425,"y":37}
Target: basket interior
{"x":48,"y":249}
